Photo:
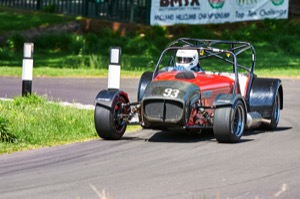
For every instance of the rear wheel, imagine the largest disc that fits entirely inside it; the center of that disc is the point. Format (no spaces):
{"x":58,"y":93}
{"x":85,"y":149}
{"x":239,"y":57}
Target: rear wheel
{"x":229,"y":122}
{"x":275,"y":114}
{"x":108,"y":121}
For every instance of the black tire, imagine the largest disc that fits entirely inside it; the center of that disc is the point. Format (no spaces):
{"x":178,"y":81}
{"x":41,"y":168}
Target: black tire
{"x":145,"y":79}
{"x":275,"y":114}
{"x":108,"y":125}
{"x":229,"y":123}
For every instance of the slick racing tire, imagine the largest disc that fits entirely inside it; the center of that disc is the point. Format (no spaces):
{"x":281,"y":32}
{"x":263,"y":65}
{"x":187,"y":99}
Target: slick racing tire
{"x":229,"y":122}
{"x":275,"y":114}
{"x":108,"y":121}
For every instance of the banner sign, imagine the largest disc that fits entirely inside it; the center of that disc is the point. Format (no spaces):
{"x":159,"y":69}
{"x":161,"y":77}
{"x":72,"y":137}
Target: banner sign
{"x":169,"y":12}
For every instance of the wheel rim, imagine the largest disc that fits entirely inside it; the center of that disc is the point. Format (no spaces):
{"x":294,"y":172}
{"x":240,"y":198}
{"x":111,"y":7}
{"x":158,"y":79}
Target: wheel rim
{"x":118,"y":120}
{"x":238,"y":122}
{"x":277,"y":109}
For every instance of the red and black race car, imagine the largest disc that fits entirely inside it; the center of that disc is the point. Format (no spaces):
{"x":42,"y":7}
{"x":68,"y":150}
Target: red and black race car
{"x":196,"y":84}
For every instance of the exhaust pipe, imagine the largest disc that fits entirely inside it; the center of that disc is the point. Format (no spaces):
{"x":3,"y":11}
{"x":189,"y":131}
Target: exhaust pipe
{"x":254,"y":120}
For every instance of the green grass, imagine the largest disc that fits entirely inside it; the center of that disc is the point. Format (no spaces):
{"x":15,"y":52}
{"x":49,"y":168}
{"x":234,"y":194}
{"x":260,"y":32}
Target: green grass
{"x":14,"y":19}
{"x":67,"y":72}
{"x":32,"y":122}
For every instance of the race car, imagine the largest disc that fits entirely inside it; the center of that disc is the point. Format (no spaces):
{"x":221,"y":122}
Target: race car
{"x":196,"y":84}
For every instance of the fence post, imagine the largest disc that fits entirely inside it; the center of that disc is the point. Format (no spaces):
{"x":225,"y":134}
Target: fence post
{"x":86,"y":7}
{"x":148,"y":12}
{"x":132,"y":11}
{"x":27,"y":69}
{"x":38,"y":4}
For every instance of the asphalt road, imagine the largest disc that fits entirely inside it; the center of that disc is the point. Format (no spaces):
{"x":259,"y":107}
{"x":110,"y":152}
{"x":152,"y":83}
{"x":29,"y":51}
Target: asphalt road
{"x":80,"y":90}
{"x":153,"y":164}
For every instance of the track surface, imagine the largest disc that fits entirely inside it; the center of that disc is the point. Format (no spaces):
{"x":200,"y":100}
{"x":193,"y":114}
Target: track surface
{"x":153,"y":164}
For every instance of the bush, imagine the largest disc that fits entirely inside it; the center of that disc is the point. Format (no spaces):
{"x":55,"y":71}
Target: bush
{"x":49,"y":8}
{"x":5,"y":54}
{"x":77,"y":44}
{"x":287,"y":44}
{"x":54,"y":42}
{"x":15,"y":42}
{"x":96,"y":62}
{"x":91,"y":43}
{"x":5,"y":135}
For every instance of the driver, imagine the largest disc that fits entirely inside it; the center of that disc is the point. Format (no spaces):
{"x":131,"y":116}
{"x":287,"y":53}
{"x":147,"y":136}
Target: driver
{"x":187,"y":60}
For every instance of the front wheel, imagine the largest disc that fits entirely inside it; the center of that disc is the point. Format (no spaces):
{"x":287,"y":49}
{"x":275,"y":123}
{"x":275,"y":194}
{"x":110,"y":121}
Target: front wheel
{"x":108,"y":121}
{"x":229,"y":122}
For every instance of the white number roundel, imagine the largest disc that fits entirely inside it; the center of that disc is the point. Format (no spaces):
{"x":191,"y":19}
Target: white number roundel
{"x":169,"y":92}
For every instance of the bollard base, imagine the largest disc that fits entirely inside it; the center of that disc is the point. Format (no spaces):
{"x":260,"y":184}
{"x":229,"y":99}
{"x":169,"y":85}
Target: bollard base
{"x":26,"y":87}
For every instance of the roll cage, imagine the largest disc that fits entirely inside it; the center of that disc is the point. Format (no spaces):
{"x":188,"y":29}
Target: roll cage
{"x":227,"y":51}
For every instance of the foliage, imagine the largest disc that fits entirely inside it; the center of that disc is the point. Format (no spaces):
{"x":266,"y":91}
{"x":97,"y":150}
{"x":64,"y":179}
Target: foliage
{"x":61,"y":42}
{"x":50,"y":8}
{"x":36,"y":123}
{"x":15,"y":42}
{"x":5,"y":134}
{"x":5,"y":54}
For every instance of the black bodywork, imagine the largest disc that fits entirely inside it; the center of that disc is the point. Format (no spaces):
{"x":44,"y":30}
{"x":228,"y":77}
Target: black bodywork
{"x":157,"y":109}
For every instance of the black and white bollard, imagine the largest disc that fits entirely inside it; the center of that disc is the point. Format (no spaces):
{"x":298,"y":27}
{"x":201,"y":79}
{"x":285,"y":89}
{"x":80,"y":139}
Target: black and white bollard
{"x":114,"y":68}
{"x":27,"y":69}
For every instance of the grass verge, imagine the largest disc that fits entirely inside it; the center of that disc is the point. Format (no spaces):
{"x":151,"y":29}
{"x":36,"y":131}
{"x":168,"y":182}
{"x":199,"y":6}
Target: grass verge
{"x":31,"y":122}
{"x":66,"y":72}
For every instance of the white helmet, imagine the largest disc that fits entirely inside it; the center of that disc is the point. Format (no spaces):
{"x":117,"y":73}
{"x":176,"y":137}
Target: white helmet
{"x":187,"y":58}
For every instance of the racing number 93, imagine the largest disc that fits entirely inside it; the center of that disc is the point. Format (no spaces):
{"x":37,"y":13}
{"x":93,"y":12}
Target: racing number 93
{"x":170,"y":92}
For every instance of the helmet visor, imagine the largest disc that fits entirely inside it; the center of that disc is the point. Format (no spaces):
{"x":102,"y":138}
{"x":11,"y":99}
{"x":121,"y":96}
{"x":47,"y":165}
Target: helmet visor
{"x":184,"y":60}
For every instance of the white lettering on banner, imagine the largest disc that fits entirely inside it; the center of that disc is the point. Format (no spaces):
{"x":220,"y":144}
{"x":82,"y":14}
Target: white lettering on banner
{"x":169,"y":12}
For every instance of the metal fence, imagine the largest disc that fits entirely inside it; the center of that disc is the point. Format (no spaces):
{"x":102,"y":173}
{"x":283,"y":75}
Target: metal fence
{"x":134,"y":11}
{"x":294,"y":7}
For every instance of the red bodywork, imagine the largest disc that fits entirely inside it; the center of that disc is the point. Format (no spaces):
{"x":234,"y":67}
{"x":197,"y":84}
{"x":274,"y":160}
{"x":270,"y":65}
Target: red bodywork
{"x":210,"y":86}
{"x":206,"y":82}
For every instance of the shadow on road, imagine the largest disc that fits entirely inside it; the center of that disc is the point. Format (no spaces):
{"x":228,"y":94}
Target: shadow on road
{"x":277,"y":130}
{"x":181,"y":137}
{"x":281,"y":128}
{"x":188,"y":137}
